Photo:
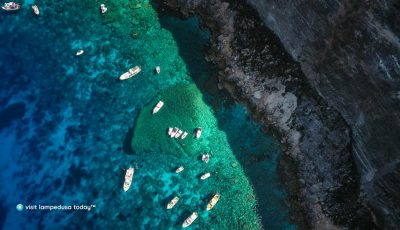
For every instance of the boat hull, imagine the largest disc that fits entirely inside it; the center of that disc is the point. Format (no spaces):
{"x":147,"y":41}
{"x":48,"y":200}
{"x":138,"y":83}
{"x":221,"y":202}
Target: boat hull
{"x":131,"y":72}
{"x":213,"y":201}
{"x":205,"y":176}
{"x":10,"y":6}
{"x":173,"y":202}
{"x":80,"y":52}
{"x":190,"y":220}
{"x":128,"y":178}
{"x":180,"y":169}
{"x":184,"y":135}
{"x":205,"y":158}
{"x":35,"y":10}
{"x":157,"y":108}
{"x":198,"y":132}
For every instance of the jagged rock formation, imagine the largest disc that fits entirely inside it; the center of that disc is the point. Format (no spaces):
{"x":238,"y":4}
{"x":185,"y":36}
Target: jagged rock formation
{"x":350,"y":53}
{"x":255,"y":69}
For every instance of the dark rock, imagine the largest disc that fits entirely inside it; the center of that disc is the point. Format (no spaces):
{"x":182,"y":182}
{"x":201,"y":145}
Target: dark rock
{"x":350,"y":53}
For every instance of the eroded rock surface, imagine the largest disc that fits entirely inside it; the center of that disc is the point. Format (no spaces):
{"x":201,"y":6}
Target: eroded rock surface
{"x":350,"y":53}
{"x":255,"y":69}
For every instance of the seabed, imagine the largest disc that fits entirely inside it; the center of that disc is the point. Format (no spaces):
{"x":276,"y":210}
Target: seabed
{"x":71,"y":142}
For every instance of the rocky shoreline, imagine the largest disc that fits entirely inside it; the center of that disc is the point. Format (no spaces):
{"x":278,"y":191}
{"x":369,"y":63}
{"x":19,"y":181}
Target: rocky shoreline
{"x":255,"y":69}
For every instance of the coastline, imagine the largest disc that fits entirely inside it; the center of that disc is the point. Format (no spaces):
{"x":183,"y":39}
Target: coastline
{"x":256,"y":71}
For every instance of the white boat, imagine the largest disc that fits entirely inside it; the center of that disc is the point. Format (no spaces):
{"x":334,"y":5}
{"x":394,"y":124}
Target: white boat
{"x":35,"y":9}
{"x":190,"y":220}
{"x":158,"y":69}
{"x":205,"y":158}
{"x":173,"y":202}
{"x":103,"y":8}
{"x":131,"y":72}
{"x":197,"y":132}
{"x":178,"y":134}
{"x":79,"y":53}
{"x":213,"y":201}
{"x":205,"y":176}
{"x":169,"y":131}
{"x":180,"y":169}
{"x":11,"y":6}
{"x":159,"y":105}
{"x":173,"y":132}
{"x":128,"y":178}
{"x":184,"y":135}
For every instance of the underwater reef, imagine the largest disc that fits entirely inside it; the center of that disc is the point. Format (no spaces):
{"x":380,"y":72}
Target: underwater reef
{"x":70,"y":128}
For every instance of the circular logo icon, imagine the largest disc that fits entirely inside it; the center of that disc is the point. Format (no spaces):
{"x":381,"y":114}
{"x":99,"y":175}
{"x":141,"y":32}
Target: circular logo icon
{"x":20,"y":207}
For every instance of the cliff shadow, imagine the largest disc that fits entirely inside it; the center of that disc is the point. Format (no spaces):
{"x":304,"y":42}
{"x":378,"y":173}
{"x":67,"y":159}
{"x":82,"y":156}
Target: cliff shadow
{"x":258,"y":152}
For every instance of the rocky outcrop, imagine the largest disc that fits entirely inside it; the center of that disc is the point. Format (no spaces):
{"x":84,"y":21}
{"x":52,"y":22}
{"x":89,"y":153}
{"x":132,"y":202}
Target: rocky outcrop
{"x":255,"y":69}
{"x":350,"y":53}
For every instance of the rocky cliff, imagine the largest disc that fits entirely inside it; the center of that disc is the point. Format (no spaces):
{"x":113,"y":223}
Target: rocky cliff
{"x":350,"y":53}
{"x":344,"y":109}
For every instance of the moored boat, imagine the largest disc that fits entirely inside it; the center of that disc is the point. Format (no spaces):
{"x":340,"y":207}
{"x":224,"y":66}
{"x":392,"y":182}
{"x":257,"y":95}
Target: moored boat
{"x":80,"y":52}
{"x":173,"y":132}
{"x":205,"y":176}
{"x":178,"y":134}
{"x":157,"y":108}
{"x":103,"y":8}
{"x":180,"y":169}
{"x":158,"y":69}
{"x":173,"y":202}
{"x":213,"y":201}
{"x":35,"y":9}
{"x":184,"y":135}
{"x":128,"y":178}
{"x":131,"y":72}
{"x":205,"y":158}
{"x":190,"y":220}
{"x":197,"y":132}
{"x":170,"y":131}
{"x":11,"y":6}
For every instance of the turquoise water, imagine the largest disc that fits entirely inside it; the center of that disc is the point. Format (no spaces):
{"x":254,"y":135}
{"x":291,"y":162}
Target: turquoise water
{"x":68,"y":125}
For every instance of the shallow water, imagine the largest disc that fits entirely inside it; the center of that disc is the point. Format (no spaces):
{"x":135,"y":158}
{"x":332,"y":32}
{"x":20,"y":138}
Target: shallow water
{"x":68,"y":124}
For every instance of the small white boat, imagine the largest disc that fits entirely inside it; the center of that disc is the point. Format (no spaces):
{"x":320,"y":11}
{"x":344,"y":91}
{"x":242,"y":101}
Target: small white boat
{"x":158,"y":69}
{"x":213,"y":201}
{"x":173,"y":132}
{"x":180,"y":169}
{"x":11,"y":6}
{"x":205,"y":176}
{"x":79,"y":53}
{"x":35,"y":9}
{"x":159,"y":105}
{"x":169,"y":131}
{"x":205,"y":158}
{"x":184,"y":135}
{"x":131,"y":72}
{"x":103,"y":8}
{"x":190,"y":220}
{"x":128,"y":178}
{"x":173,"y":202}
{"x":197,"y":132}
{"x":178,"y":134}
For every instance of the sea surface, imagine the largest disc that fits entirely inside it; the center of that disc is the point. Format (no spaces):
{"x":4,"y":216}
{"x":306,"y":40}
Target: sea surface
{"x":69,"y":128}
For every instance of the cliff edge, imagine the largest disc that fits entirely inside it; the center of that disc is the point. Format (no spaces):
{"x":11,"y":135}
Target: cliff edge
{"x":350,"y":53}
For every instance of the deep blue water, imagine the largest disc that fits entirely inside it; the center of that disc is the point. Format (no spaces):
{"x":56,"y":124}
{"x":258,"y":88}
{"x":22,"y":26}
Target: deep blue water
{"x":65,"y":121}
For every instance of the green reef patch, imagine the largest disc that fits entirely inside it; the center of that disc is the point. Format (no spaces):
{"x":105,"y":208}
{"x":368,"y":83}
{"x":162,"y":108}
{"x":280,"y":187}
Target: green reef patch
{"x":185,"y":109}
